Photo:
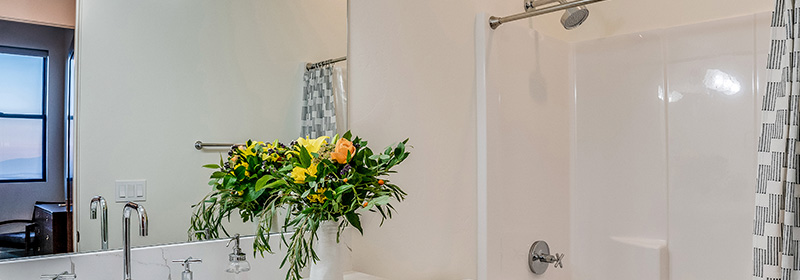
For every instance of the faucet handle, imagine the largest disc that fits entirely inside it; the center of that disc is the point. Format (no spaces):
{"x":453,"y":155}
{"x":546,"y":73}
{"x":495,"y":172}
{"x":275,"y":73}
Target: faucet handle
{"x":206,"y":234}
{"x":61,"y":276}
{"x":186,"y":262}
{"x":557,"y":263}
{"x":234,"y":239}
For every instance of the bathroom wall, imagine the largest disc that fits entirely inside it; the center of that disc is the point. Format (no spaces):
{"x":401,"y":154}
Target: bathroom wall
{"x":666,"y":129}
{"x":57,"y":13}
{"x":412,"y":75}
{"x":155,"y":76}
{"x":412,"y":63}
{"x":527,"y":120}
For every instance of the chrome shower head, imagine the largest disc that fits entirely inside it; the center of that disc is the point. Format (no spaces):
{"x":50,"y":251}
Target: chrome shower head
{"x":574,"y":17}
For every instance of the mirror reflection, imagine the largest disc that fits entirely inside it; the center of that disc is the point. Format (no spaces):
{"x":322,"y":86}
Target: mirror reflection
{"x":151,"y":79}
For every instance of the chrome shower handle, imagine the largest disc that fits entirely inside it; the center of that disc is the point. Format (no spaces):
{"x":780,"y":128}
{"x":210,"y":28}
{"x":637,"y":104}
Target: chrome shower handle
{"x":539,"y":258}
{"x":558,"y":262}
{"x":547,"y":258}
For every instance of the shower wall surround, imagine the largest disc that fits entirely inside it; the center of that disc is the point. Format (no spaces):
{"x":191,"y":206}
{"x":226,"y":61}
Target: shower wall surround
{"x":528,"y":108}
{"x":665,"y":131}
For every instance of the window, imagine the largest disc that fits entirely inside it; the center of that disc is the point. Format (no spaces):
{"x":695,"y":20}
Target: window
{"x":23,"y":93}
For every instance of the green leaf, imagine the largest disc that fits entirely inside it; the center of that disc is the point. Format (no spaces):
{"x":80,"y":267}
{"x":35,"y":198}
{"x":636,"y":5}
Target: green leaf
{"x":305,"y":157}
{"x":218,"y":174}
{"x":347,"y":135}
{"x":251,"y":196}
{"x":262,"y":182}
{"x":382,"y":200}
{"x":211,"y":166}
{"x":275,"y":184}
{"x":344,"y":188}
{"x":355,"y":221}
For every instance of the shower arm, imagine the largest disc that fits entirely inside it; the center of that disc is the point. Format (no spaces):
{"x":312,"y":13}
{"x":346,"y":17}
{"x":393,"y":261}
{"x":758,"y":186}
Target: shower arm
{"x":494,"y":21}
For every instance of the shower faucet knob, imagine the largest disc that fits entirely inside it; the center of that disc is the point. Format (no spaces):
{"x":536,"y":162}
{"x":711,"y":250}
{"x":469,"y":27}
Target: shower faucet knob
{"x":539,"y":258}
{"x":558,"y":262}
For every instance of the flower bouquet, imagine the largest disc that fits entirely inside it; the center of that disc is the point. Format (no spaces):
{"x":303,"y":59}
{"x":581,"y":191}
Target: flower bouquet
{"x":316,"y":182}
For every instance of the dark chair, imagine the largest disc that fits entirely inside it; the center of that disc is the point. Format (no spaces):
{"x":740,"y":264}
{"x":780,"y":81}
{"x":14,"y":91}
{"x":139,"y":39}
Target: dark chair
{"x":23,"y":239}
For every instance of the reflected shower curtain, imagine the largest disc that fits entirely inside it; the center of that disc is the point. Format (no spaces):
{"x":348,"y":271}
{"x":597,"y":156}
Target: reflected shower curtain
{"x":775,"y":244}
{"x":319,"y":109}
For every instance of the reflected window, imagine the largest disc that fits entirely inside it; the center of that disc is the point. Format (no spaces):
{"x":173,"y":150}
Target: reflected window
{"x":23,"y":86}
{"x":722,"y":82}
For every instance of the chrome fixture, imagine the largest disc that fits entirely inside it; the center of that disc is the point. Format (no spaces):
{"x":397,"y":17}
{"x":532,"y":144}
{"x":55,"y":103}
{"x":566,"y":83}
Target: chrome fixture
{"x":126,"y":233}
{"x":310,"y":66}
{"x":575,"y":14}
{"x":199,"y":145}
{"x":61,"y":276}
{"x":238,"y":260}
{"x":100,"y":201}
{"x":572,"y":18}
{"x":539,"y":258}
{"x":187,"y":273}
{"x":206,"y":233}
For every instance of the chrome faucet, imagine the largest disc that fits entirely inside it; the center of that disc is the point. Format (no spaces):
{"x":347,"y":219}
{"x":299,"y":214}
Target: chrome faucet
{"x":99,"y":200}
{"x":126,"y":233}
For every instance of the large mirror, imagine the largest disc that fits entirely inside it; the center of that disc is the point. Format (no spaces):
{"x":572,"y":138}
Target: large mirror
{"x":154,"y":77}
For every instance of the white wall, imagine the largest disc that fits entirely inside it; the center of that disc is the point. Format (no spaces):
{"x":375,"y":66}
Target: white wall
{"x":528,"y":123}
{"x":412,"y":75}
{"x":660,"y":157}
{"x":156,"y":76}
{"x":58,"y":13}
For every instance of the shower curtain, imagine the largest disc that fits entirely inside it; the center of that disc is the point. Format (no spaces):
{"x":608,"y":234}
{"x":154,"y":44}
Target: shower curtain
{"x":775,"y":244}
{"x":319,"y":109}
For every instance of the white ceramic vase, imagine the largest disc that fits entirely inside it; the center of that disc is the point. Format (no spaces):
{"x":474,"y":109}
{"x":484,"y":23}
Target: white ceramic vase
{"x":329,"y":265}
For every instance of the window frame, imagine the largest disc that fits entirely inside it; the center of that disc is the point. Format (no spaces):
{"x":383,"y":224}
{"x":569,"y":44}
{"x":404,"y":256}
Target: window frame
{"x":45,"y":55}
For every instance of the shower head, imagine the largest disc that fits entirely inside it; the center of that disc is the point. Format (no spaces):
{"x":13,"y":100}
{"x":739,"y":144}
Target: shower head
{"x":572,"y":18}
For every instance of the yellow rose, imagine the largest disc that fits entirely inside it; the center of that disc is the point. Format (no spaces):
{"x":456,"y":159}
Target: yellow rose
{"x":343,"y":147}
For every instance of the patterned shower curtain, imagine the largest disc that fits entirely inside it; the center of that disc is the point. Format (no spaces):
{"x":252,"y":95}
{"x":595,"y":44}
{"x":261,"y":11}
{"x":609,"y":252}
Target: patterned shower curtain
{"x":319,"y":110}
{"x":775,"y":244}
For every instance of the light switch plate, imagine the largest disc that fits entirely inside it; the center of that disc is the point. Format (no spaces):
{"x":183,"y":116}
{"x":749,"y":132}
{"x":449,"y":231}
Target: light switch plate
{"x":131,"y":190}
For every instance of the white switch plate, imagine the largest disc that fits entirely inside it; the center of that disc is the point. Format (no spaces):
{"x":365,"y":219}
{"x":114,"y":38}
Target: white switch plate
{"x":131,"y":190}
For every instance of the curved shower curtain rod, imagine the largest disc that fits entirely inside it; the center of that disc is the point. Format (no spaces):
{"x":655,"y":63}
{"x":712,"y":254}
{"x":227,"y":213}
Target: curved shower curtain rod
{"x":494,"y":21}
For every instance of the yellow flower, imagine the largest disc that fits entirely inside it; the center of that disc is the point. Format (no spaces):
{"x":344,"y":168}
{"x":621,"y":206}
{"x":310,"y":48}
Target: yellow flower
{"x":246,"y":166}
{"x":299,"y":174}
{"x":319,"y":196}
{"x":312,"y":145}
{"x":249,"y":150}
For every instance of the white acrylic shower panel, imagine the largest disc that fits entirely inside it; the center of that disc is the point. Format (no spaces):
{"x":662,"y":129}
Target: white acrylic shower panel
{"x":620,"y":174}
{"x":528,"y":102}
{"x":712,"y":148}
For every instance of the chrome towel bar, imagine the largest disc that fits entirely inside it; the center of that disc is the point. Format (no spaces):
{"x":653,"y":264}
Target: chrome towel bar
{"x":199,"y":145}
